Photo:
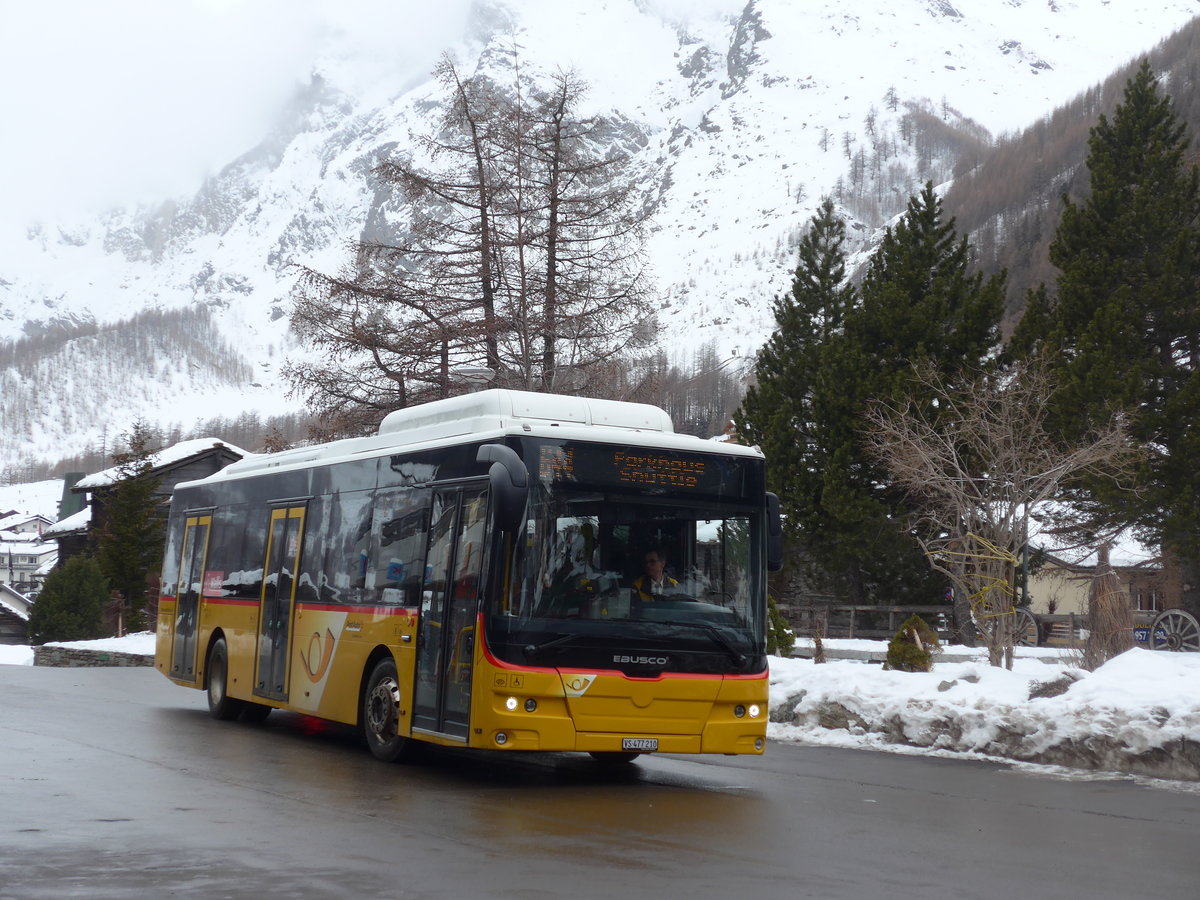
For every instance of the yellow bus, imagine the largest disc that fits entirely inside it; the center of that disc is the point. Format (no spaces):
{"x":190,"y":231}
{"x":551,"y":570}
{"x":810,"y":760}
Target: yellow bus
{"x":469,"y":577}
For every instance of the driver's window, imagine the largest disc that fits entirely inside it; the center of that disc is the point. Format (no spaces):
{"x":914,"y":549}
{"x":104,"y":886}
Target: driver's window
{"x":722,"y":562}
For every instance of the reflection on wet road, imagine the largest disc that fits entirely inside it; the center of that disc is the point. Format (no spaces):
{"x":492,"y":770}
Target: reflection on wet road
{"x":116,"y":783}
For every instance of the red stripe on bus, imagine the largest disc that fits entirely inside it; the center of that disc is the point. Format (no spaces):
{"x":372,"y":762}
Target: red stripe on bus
{"x":229,"y":601}
{"x":319,"y":607}
{"x":371,"y":610}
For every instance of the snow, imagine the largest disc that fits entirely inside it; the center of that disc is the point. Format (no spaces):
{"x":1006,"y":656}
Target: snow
{"x":32,"y":499}
{"x":163,"y":457}
{"x":140,"y":643}
{"x":16,"y":655}
{"x":7,"y":605}
{"x":728,"y":135}
{"x":1137,"y":703}
{"x":72,"y":523}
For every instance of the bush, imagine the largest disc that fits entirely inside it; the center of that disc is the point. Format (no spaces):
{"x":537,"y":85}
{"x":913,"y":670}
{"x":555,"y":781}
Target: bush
{"x":780,"y":637}
{"x":913,"y":646}
{"x":71,"y":604}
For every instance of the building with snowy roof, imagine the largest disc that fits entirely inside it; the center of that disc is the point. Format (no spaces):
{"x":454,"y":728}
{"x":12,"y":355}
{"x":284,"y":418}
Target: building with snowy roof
{"x":26,"y":556}
{"x":185,"y":461}
{"x":14,"y":616}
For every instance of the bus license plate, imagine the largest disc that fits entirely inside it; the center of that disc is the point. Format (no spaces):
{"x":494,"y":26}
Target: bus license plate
{"x":639,"y":743}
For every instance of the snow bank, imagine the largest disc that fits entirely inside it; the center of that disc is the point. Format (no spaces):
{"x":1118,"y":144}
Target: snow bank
{"x":1138,"y":713}
{"x":141,"y":643}
{"x":16,"y":655}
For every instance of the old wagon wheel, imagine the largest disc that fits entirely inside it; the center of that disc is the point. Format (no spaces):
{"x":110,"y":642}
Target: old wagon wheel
{"x":1175,"y":630}
{"x":1025,"y":629}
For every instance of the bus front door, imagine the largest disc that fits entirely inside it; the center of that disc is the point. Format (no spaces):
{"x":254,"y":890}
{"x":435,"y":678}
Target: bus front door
{"x":278,"y":600}
{"x":449,"y":602}
{"x":187,"y":599}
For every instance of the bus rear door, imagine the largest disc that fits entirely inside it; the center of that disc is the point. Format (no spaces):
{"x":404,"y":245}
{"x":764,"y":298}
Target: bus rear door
{"x":187,"y":601}
{"x":278,"y":601}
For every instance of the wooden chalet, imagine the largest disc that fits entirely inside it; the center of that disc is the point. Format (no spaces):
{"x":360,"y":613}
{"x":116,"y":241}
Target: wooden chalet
{"x":184,"y":461}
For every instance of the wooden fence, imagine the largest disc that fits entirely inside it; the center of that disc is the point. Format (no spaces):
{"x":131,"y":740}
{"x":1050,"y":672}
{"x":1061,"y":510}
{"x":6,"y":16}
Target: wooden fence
{"x":882,"y":622}
{"x":864,"y":620}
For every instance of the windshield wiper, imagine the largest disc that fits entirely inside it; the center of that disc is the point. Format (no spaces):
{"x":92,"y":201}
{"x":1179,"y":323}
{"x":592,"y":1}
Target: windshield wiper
{"x":739,"y":659}
{"x":537,"y":649}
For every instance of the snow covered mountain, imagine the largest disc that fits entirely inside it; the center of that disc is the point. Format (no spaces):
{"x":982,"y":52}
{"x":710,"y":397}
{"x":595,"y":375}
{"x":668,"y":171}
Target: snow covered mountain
{"x":741,"y":117}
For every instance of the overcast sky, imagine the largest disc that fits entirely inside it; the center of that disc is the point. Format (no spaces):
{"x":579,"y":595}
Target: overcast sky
{"x":116,"y":101}
{"x":111,"y":102}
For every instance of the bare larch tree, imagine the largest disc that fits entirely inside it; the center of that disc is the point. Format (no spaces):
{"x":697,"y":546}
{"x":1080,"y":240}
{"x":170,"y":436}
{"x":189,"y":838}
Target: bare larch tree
{"x":519,"y":248}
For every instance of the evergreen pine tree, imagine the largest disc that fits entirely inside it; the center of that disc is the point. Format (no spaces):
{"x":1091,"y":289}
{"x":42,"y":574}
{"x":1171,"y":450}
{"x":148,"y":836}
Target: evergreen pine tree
{"x":129,"y":543}
{"x":777,"y":411}
{"x":919,"y":304}
{"x":71,"y":603}
{"x":835,"y":351}
{"x":1124,"y":329}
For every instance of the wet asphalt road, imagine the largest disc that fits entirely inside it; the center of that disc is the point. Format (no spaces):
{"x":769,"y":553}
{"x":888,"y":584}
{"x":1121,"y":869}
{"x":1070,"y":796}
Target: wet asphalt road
{"x":114,"y":783}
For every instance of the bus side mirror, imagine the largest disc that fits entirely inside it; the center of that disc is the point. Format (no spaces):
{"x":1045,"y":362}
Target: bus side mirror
{"x":509,"y":483}
{"x":774,"y":534}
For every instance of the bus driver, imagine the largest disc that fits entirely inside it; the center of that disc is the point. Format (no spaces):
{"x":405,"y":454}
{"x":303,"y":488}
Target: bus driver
{"x":655,"y":581}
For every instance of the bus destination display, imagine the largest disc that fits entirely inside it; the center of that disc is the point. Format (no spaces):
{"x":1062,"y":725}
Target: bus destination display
{"x":635,"y":467}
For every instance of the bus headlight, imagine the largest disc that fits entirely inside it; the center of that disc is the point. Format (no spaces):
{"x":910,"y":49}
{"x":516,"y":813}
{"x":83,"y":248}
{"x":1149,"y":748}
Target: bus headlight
{"x":510,"y":704}
{"x":739,"y":710}
{"x":530,"y":705}
{"x":501,"y":738}
{"x":754,"y":710}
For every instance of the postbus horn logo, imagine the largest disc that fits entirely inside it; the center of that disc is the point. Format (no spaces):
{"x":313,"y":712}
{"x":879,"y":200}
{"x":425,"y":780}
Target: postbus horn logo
{"x":322,"y":656}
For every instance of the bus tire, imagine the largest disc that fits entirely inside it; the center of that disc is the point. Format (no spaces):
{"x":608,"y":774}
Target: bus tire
{"x":220,"y":704}
{"x":381,"y":713}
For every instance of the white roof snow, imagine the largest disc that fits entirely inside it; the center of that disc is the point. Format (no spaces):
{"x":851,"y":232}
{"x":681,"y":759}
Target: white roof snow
{"x":163,"y":457}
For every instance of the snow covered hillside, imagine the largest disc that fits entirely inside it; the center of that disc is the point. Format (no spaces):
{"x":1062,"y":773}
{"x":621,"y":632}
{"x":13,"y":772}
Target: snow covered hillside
{"x":740,"y":115}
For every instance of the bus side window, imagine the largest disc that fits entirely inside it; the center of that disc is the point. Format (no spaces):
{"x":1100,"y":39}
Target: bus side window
{"x":335,"y":558}
{"x":398,"y":535}
{"x":470,"y":548}
{"x":239,"y":545}
{"x":313,"y":586}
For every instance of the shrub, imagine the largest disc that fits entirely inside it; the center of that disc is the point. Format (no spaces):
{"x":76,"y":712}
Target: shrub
{"x":71,"y":604}
{"x":913,"y":646}
{"x":780,"y":636}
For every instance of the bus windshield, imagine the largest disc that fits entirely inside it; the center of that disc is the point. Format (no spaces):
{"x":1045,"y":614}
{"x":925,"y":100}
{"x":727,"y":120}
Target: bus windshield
{"x":639,"y":581}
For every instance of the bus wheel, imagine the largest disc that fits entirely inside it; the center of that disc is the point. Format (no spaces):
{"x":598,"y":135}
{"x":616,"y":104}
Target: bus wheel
{"x":613,"y":757}
{"x":255,"y":712}
{"x":220,"y":704}
{"x":381,"y":712}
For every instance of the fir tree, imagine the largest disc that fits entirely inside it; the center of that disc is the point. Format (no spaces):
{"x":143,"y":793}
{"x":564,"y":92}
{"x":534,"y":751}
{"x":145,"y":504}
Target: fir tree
{"x":777,"y":411}
{"x":836,"y":351}
{"x":1124,"y":328}
{"x":71,"y":603}
{"x":921,"y":307}
{"x":129,"y":543}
